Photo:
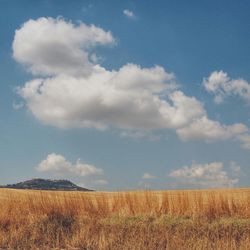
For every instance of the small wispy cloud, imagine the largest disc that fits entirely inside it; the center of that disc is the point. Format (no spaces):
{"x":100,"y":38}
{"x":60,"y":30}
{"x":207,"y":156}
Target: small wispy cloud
{"x":17,"y":106}
{"x":129,"y":14}
{"x":148,"y":176}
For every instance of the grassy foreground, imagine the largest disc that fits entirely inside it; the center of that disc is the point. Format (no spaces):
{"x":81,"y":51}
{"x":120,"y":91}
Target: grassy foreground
{"x":208,"y":219}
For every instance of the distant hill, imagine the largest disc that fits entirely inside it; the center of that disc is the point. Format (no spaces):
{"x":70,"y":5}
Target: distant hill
{"x":43,"y":184}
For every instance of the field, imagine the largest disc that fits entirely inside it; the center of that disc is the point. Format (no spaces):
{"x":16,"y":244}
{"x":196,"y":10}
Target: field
{"x":207,"y":219}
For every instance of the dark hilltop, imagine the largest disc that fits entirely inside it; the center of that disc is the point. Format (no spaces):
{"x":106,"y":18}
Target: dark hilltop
{"x":46,"y":184}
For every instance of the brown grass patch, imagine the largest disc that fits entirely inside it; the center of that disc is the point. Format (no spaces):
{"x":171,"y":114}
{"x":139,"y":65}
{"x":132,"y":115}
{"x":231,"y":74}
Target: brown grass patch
{"x":208,"y":219}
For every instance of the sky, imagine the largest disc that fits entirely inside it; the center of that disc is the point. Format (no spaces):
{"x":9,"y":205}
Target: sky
{"x":120,"y":95}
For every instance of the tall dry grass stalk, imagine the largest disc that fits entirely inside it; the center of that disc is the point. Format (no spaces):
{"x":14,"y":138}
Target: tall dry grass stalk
{"x":208,"y":219}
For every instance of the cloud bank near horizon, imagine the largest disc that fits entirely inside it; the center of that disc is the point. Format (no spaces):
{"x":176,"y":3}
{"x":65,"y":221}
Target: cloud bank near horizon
{"x":209,"y":175}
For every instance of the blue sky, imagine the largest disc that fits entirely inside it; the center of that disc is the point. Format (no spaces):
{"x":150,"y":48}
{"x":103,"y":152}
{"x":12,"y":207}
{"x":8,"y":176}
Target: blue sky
{"x":155,"y":95}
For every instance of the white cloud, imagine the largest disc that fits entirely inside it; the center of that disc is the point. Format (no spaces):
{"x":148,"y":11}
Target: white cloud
{"x":58,"y":164}
{"x":50,"y":46}
{"x":123,"y":99}
{"x":129,"y":14}
{"x":74,"y":91}
{"x":204,"y":175}
{"x":148,"y":176}
{"x":221,"y":85}
{"x":210,"y":130}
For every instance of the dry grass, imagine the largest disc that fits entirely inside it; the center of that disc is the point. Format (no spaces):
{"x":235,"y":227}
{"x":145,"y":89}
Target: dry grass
{"x":208,"y":219}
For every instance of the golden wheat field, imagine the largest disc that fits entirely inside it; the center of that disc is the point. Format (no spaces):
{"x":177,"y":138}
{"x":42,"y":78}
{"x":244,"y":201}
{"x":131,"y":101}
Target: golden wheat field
{"x":208,"y":219}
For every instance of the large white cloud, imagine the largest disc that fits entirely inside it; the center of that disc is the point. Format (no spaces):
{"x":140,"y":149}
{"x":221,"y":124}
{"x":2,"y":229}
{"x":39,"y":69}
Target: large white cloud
{"x":221,"y":85}
{"x":53,"y":46}
{"x":57,"y":163}
{"x":75,"y":92}
{"x":204,"y":175}
{"x":124,"y":99}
